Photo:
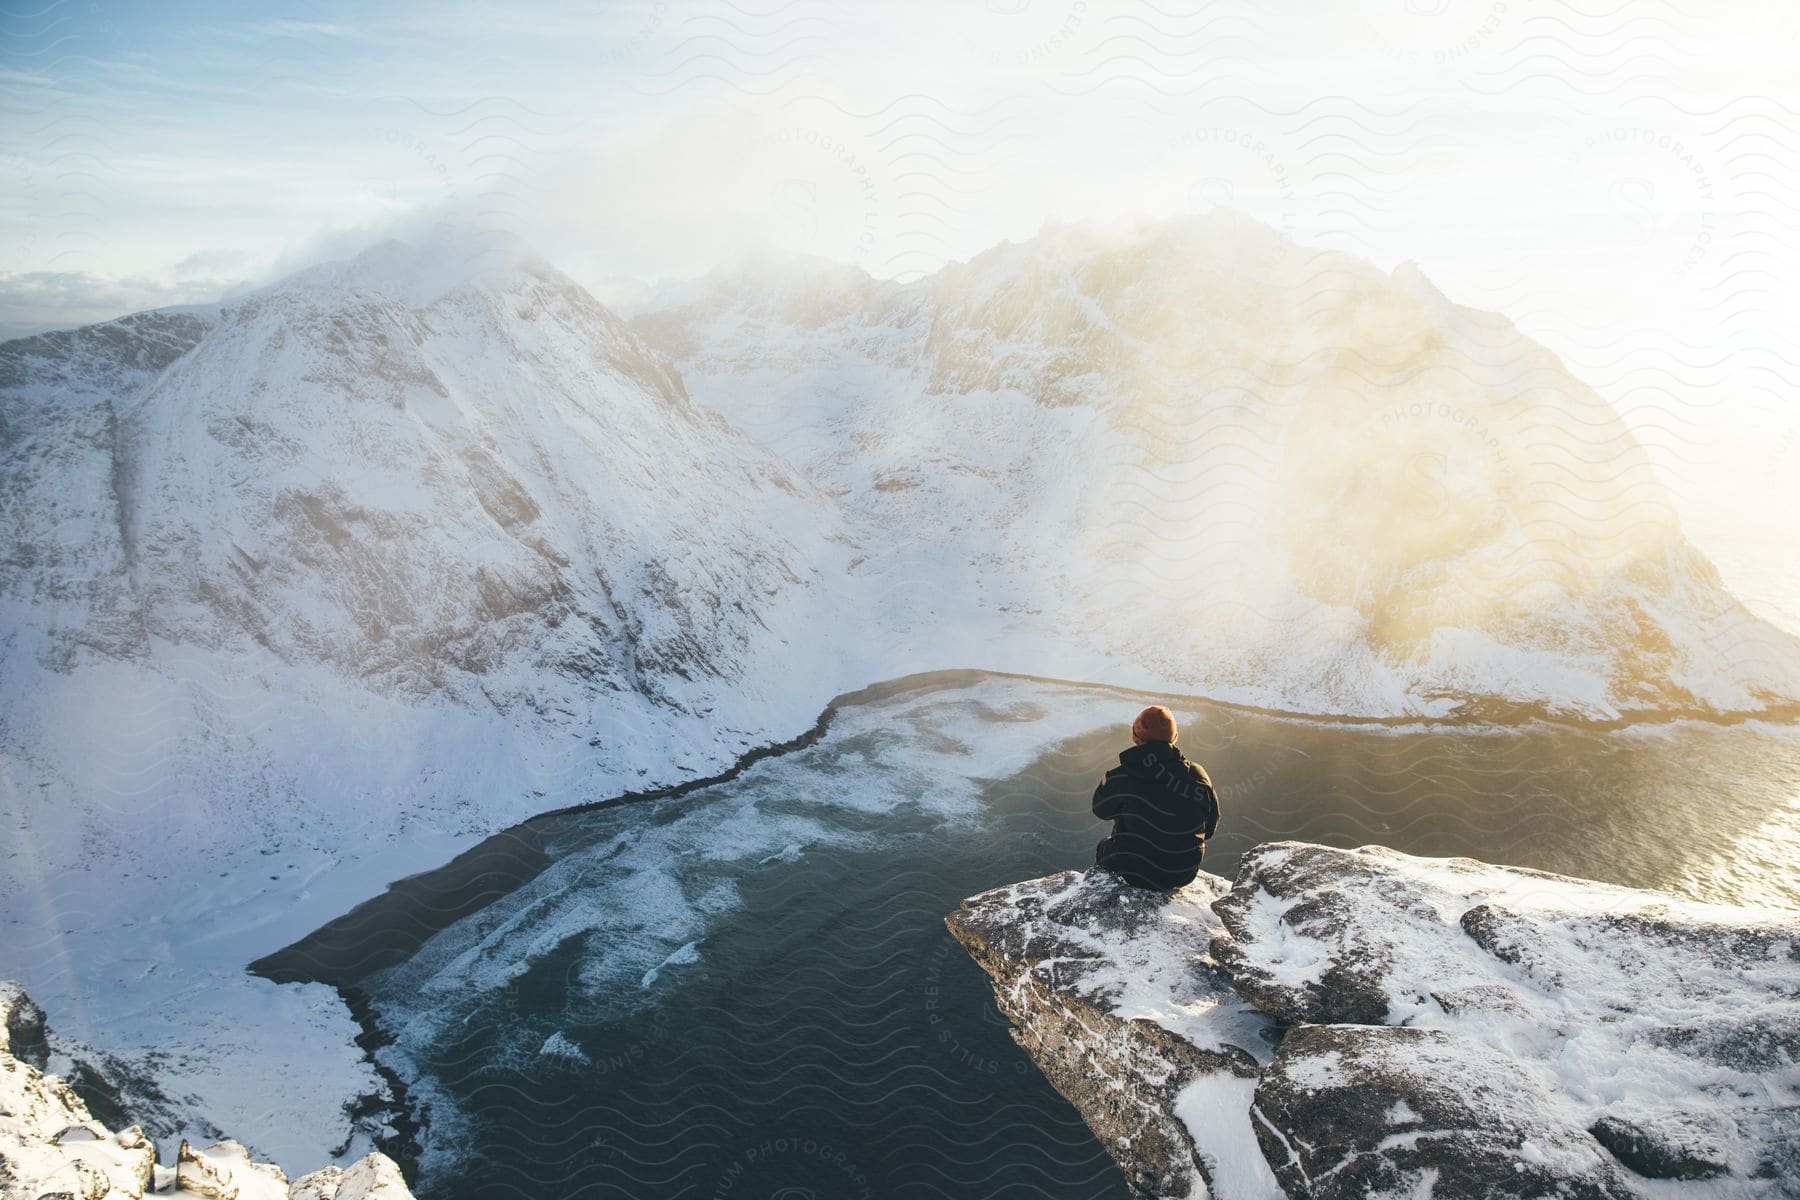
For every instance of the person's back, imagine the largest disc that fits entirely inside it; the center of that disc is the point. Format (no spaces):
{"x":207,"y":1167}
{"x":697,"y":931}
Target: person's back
{"x":1162,"y":807}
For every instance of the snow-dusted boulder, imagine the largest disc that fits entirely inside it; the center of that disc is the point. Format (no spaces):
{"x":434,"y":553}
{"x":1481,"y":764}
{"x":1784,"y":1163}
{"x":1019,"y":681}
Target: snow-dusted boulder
{"x":1444,"y":1026}
{"x":1351,"y":1111}
{"x":225,"y":1171}
{"x":51,"y":1146}
{"x":1115,"y":996}
{"x":1665,"y":1030}
{"x":374,"y":1177}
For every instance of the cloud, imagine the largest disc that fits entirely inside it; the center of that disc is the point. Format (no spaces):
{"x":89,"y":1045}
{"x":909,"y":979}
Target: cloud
{"x":211,"y":264}
{"x":419,"y":225}
{"x":35,"y":301}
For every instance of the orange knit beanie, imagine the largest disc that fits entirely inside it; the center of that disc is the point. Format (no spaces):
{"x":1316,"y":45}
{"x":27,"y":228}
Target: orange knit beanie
{"x":1154,"y":724}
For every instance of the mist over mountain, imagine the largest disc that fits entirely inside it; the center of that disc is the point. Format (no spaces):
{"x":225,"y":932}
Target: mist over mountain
{"x":1251,"y":468}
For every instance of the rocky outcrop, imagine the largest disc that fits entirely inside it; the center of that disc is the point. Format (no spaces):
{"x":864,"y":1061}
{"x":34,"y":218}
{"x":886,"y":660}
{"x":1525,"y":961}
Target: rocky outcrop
{"x":52,"y":1147}
{"x":115,"y":1093}
{"x":1357,"y":1023}
{"x":1114,"y":994}
{"x":1378,"y":1110}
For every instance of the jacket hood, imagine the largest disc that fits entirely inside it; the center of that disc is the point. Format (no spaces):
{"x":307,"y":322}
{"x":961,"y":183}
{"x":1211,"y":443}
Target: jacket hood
{"x":1147,"y":753}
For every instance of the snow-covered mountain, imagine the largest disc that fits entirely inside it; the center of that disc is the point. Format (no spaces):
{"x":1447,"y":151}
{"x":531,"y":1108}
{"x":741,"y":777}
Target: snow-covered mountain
{"x":1242,"y":467}
{"x":477,"y":490}
{"x":307,"y":591}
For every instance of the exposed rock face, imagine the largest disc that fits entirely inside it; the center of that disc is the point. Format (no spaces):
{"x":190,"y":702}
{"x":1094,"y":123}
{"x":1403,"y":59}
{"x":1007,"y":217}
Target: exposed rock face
{"x":23,"y":1033}
{"x":1113,"y":993}
{"x":1377,"y":1110}
{"x":51,"y":1145}
{"x":223,"y":1171}
{"x":1445,"y":1026}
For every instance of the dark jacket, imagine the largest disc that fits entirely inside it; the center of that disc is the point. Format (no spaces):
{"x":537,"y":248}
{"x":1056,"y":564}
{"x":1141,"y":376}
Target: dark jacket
{"x":1162,"y":808}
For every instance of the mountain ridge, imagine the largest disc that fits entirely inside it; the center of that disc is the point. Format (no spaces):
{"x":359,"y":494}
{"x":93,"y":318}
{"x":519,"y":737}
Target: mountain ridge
{"x":1217,"y":375}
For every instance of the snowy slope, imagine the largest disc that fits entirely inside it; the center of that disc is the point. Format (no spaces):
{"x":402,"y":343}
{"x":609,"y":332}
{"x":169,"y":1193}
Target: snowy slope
{"x":1232,"y":465}
{"x":307,"y":593}
{"x":424,"y":492}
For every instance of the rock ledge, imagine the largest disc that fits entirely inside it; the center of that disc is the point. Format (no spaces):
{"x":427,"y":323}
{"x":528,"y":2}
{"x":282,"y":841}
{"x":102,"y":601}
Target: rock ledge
{"x":1364,"y":1023}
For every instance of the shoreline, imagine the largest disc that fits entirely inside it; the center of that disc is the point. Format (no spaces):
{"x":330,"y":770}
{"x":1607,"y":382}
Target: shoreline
{"x":412,"y":909}
{"x":396,"y":1110}
{"x":390,"y":927}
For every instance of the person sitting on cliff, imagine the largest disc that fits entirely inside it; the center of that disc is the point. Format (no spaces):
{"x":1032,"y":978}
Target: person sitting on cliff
{"x":1162,"y":806}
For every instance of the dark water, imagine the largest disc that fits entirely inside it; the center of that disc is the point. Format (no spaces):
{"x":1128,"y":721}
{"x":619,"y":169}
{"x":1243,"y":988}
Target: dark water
{"x":819,"y":1034}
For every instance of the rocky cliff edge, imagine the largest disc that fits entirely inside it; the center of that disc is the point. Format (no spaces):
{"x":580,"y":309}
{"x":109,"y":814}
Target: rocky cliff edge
{"x":1365,"y":1023}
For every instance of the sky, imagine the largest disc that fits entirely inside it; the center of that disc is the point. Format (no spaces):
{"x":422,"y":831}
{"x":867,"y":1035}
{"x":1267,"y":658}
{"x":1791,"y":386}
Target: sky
{"x":1618,"y":178}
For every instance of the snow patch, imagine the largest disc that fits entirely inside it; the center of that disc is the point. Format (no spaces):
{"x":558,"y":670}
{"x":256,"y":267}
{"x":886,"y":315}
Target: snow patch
{"x":689,"y":953}
{"x":558,"y":1045}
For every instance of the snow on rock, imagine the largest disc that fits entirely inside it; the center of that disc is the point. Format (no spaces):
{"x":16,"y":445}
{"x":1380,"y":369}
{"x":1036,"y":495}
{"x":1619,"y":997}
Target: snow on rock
{"x":50,"y":1144}
{"x":1445,"y":1026}
{"x":1115,"y":996}
{"x":1664,"y":1030}
{"x":372,"y":1177}
{"x":225,"y":1171}
{"x":48,"y":1141}
{"x":560,"y":1046}
{"x":1473,"y":1126}
{"x":113,"y":1092}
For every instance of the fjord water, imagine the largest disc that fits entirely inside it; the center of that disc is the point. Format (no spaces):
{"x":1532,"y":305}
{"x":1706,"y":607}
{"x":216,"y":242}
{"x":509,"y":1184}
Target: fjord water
{"x":749,"y":991}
